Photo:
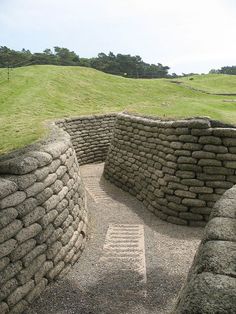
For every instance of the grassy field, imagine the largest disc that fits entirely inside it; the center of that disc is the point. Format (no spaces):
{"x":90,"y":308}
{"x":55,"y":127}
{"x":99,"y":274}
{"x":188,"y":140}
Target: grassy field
{"x":212,"y":83}
{"x":41,"y":93}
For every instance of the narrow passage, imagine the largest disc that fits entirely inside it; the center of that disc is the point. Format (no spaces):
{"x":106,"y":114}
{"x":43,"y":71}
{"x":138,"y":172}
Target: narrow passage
{"x":133,"y":261}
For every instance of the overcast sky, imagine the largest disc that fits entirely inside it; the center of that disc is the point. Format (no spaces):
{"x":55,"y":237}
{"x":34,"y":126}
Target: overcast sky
{"x":187,"y":35}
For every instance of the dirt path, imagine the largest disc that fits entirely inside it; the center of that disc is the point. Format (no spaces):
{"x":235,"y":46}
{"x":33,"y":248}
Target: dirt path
{"x":133,"y":262}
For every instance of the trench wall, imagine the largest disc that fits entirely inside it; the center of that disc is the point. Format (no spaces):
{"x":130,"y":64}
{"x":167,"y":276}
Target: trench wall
{"x":178,"y":169}
{"x":211,"y":283}
{"x":43,"y":219}
{"x":90,"y":135}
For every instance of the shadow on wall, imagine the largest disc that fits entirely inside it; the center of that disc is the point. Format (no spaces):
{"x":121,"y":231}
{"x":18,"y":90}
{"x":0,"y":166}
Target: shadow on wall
{"x":108,"y":296}
{"x":90,"y":136}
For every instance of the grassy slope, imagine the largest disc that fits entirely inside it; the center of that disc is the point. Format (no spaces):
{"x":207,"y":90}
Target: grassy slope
{"x":213,"y":83}
{"x":38,"y":93}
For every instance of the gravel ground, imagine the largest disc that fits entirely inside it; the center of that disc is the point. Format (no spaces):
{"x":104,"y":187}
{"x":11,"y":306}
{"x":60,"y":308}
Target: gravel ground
{"x":94,"y":287}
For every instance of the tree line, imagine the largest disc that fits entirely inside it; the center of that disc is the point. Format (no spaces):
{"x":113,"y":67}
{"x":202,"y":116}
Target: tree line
{"x":120,"y":64}
{"x":225,"y":70}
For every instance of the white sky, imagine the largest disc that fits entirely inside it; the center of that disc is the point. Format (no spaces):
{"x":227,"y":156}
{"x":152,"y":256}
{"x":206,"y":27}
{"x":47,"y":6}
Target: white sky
{"x":187,"y":35}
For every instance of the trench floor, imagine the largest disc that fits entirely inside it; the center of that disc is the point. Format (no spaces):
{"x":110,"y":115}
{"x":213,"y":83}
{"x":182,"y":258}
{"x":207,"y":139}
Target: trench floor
{"x":133,"y":262}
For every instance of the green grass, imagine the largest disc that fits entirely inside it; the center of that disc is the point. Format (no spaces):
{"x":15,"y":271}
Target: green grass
{"x":213,"y":83}
{"x":37,"y":94}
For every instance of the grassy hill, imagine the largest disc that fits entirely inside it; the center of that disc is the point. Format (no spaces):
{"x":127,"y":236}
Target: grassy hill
{"x":212,"y":83}
{"x":40,"y":93}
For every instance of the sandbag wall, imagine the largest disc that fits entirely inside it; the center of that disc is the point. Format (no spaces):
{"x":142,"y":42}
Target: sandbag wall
{"x":211,"y":283}
{"x":90,"y":135}
{"x":43,"y":219}
{"x":178,"y":169}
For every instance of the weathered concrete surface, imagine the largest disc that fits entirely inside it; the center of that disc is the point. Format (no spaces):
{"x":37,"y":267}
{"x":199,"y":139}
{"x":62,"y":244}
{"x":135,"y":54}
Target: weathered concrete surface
{"x":94,"y":287}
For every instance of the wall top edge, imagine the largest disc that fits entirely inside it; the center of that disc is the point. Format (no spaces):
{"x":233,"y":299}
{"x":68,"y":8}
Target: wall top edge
{"x":30,"y":157}
{"x":87,"y":117}
{"x":198,"y":121}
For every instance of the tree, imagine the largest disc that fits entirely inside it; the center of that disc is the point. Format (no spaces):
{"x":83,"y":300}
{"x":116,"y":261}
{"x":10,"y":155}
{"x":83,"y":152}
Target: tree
{"x":9,"y":57}
{"x":231,"y":70}
{"x":132,"y":66}
{"x":85,"y":62}
{"x":43,"y":58}
{"x":213,"y":71}
{"x":48,"y":52}
{"x":66,"y":57}
{"x":228,"y":70}
{"x":120,"y":64}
